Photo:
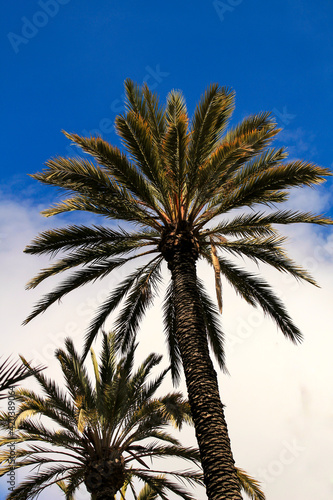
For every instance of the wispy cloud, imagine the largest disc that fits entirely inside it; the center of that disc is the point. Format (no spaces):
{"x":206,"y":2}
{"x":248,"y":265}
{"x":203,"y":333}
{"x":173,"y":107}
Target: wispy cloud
{"x":300,"y":142}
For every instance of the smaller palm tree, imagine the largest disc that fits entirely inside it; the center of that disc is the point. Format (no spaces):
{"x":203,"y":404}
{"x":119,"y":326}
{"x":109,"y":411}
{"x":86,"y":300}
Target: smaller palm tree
{"x":102,"y":429}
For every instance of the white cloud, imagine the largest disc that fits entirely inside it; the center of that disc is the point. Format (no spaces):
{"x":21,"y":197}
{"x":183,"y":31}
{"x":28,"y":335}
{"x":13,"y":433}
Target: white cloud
{"x":299,"y":142}
{"x":279,"y":402}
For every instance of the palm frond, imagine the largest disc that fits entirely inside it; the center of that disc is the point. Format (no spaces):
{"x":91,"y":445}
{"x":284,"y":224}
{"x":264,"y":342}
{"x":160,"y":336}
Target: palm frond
{"x":52,"y":391}
{"x":269,"y":251}
{"x":217,"y":272}
{"x":74,"y":237}
{"x":175,"y":155}
{"x":93,"y":257}
{"x":212,"y":323}
{"x":138,"y":300}
{"x":237,"y":148}
{"x":257,"y":292}
{"x":259,"y":188}
{"x":76,"y":377}
{"x":77,"y":279}
{"x":159,"y":486}
{"x":116,"y":164}
{"x":135,"y":133}
{"x":113,"y":301}
{"x":250,"y":486}
{"x":32,"y":487}
{"x":11,"y":373}
{"x":65,"y":487}
{"x":209,"y":121}
{"x":260,"y":224}
{"x":169,"y":321}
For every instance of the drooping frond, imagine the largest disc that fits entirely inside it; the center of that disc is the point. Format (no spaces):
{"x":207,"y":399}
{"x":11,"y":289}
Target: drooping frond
{"x":257,"y":292}
{"x":212,"y":323}
{"x":169,"y":320}
{"x":159,"y":487}
{"x":32,"y":487}
{"x":114,"y":299}
{"x":269,"y":251}
{"x":217,"y":272}
{"x":77,"y":279}
{"x":250,"y":485}
{"x":174,"y":408}
{"x":139,"y":299}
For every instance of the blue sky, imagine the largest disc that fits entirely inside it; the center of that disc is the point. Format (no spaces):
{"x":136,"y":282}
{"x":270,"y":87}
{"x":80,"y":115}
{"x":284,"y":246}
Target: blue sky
{"x":64,"y":63}
{"x":67,"y":71}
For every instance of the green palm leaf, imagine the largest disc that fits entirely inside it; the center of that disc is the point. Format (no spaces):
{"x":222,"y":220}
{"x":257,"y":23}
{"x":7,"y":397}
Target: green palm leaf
{"x":11,"y":373}
{"x":257,"y":292}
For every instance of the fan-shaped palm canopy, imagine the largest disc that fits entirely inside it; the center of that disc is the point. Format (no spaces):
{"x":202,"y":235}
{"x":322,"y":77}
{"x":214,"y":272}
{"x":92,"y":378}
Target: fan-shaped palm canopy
{"x":102,"y":429}
{"x":179,"y":178}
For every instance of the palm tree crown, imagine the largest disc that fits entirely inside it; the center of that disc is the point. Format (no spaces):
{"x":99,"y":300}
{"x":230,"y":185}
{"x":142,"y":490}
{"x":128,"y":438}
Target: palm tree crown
{"x":101,"y":429}
{"x":178,"y":177}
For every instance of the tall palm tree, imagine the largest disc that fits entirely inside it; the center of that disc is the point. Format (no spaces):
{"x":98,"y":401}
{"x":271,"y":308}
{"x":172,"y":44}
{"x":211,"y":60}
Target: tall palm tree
{"x":101,"y":428}
{"x":178,"y":177}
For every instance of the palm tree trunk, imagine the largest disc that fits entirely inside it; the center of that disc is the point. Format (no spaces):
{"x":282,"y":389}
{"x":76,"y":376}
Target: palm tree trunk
{"x":207,"y":410}
{"x":102,"y":495}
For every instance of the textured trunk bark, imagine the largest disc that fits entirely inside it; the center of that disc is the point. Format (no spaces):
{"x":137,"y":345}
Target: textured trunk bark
{"x":207,"y":410}
{"x":95,"y":496}
{"x":101,"y":496}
